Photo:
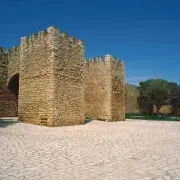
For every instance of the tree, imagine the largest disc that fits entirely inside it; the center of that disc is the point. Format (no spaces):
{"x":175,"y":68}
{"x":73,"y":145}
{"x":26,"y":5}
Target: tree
{"x":174,"y":100}
{"x":154,"y":92}
{"x":144,"y":101}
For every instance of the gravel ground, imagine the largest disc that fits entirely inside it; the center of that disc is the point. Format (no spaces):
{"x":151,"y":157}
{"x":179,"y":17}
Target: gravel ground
{"x":130,"y":150}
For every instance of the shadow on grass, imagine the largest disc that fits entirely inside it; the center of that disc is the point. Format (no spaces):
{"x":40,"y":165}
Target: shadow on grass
{"x":7,"y":122}
{"x":153,"y":117}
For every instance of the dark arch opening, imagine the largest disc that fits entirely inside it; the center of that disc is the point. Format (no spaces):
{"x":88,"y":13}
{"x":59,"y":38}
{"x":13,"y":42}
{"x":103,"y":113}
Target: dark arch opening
{"x":13,"y":85}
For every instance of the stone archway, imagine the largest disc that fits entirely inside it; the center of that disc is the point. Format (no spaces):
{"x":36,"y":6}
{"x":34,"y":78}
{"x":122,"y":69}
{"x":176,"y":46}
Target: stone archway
{"x":9,"y":97}
{"x":13,"y":85}
{"x":12,"y":95}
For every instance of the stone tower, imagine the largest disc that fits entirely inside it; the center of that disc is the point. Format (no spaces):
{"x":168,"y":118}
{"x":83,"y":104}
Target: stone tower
{"x":51,"y":90}
{"x":105,"y":89}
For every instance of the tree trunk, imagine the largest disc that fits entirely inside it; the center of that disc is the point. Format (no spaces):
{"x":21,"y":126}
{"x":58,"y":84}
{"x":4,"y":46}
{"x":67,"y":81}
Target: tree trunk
{"x":174,"y":110}
{"x":151,"y":109}
{"x":158,"y":108}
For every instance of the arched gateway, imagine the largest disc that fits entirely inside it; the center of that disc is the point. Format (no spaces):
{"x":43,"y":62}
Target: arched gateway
{"x":13,"y":85}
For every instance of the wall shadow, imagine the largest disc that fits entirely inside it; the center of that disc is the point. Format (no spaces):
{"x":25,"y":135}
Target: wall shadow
{"x":5,"y":122}
{"x":87,"y":121}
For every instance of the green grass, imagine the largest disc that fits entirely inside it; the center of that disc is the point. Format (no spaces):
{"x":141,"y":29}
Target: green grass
{"x":153,"y":117}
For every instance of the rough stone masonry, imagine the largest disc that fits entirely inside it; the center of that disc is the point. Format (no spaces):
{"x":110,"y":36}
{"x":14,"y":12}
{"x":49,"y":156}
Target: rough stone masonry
{"x":47,"y":81}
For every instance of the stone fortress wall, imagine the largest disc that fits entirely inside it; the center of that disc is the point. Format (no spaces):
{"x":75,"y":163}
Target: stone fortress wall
{"x":166,"y":109}
{"x":8,"y":102}
{"x":13,"y":62}
{"x":55,"y":81}
{"x":57,"y":86}
{"x":3,"y":67}
{"x":132,"y":93}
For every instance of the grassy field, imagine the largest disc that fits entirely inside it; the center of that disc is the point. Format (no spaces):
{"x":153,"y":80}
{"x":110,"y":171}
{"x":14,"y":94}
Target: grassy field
{"x":153,"y":117}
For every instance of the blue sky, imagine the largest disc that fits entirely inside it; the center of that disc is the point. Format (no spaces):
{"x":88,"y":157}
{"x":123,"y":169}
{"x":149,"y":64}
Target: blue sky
{"x":144,"y":33}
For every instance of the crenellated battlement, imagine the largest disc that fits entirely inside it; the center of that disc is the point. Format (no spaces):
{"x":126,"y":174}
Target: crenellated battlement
{"x":107,"y":59}
{"x":51,"y":32}
{"x":72,"y":40}
{"x":99,"y":59}
{"x":32,"y":38}
{"x":63,"y":35}
{"x":75,"y":41}
{"x":13,"y":50}
{"x":116,"y":61}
